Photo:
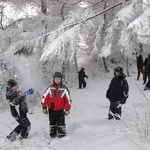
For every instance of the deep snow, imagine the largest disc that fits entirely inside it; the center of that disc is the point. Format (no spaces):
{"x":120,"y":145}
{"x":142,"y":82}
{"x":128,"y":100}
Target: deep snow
{"x":87,"y":124}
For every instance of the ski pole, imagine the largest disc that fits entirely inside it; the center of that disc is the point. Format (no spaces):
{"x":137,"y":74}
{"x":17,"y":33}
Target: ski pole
{"x":142,"y":93}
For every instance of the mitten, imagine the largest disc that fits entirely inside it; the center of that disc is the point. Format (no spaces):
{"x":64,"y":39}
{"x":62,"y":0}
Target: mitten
{"x":28,"y":92}
{"x":67,"y":112}
{"x":45,"y":110}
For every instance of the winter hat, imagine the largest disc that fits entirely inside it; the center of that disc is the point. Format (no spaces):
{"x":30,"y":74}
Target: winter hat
{"x":57,"y":75}
{"x":119,"y":69}
{"x":11,"y":83}
{"x":82,"y":69}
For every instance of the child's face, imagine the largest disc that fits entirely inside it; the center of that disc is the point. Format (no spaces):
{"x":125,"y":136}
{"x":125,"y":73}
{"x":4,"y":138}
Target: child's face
{"x":57,"y":80}
{"x":117,"y":74}
{"x":15,"y":88}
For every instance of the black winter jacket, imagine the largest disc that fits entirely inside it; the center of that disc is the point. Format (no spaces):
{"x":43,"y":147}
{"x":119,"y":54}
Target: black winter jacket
{"x":82,"y":75}
{"x":118,"y":90}
{"x":140,"y":63}
{"x":15,"y":98}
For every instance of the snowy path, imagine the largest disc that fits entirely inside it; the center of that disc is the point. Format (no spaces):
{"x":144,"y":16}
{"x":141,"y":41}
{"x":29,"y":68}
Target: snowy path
{"x":87,"y":124}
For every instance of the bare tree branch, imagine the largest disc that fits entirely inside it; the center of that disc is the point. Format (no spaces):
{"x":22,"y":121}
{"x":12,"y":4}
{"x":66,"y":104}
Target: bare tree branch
{"x":19,"y":20}
{"x":76,"y":2}
{"x":61,"y":2}
{"x":62,"y":12}
{"x":70,"y":4}
{"x":83,"y":21}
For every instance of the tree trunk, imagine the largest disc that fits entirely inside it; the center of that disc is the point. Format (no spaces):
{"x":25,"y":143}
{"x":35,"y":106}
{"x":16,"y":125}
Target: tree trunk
{"x":75,"y":59}
{"x":43,"y":6}
{"x":103,"y":36}
{"x":62,"y":12}
{"x":141,"y":49}
{"x":44,"y":11}
{"x":1,"y":19}
{"x":127,"y":66}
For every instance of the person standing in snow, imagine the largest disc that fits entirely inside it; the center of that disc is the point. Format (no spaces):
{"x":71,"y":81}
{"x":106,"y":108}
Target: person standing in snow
{"x":117,"y":93}
{"x":16,"y":98}
{"x":145,"y":68}
{"x":81,"y":76}
{"x":147,"y":71}
{"x":140,"y":66}
{"x":57,"y":103}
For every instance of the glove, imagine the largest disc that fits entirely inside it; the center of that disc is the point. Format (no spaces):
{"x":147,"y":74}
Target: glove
{"x":67,"y":112}
{"x":86,"y":76}
{"x":28,"y":92}
{"x":45,"y":110}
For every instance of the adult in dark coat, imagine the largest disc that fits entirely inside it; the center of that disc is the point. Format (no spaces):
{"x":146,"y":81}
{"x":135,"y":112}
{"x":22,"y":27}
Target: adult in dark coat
{"x":145,"y":66}
{"x":117,"y":93}
{"x":81,"y":76}
{"x":140,"y":66}
{"x":147,"y":72}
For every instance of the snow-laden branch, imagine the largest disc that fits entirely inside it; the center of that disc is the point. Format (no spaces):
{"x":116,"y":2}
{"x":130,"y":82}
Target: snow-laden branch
{"x":89,"y":18}
{"x":55,"y":48}
{"x":126,"y":24}
{"x":141,"y":27}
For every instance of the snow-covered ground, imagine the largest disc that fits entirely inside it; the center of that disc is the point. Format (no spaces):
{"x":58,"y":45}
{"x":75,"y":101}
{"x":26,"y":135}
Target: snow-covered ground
{"x":87,"y":124}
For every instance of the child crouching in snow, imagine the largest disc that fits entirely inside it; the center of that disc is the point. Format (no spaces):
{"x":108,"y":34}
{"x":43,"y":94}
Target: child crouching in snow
{"x":56,"y":102}
{"x":117,"y":93}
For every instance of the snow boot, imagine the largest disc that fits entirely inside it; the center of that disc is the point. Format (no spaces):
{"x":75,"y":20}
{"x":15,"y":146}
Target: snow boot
{"x":61,"y":131}
{"x":145,"y":88}
{"x":12,"y":136}
{"x":117,"y":116}
{"x":110,"y":116}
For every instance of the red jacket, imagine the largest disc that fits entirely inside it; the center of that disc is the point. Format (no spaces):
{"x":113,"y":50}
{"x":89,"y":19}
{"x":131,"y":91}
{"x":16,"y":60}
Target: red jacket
{"x":57,"y":95}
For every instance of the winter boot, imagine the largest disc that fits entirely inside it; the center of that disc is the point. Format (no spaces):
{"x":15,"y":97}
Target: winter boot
{"x":117,"y":116}
{"x":61,"y":131}
{"x":12,"y":136}
{"x":53,"y":131}
{"x":110,"y":116}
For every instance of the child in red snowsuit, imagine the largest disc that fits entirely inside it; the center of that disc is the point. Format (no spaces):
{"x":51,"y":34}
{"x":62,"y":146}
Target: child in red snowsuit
{"x":56,"y":101}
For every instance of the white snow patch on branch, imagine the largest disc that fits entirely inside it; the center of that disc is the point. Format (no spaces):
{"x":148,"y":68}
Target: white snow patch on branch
{"x":56,"y":46}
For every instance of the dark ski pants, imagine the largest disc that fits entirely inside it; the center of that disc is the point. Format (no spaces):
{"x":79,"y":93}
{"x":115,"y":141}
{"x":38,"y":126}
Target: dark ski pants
{"x":23,"y":128}
{"x":148,"y":83}
{"x":57,"y":123}
{"x":139,"y":72}
{"x":24,"y":124}
{"x":146,"y":75}
{"x":114,"y":110}
{"x":82,"y":82}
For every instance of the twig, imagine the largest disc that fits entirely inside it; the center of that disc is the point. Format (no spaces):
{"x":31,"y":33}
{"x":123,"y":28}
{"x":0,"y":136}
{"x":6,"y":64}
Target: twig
{"x":142,"y":92}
